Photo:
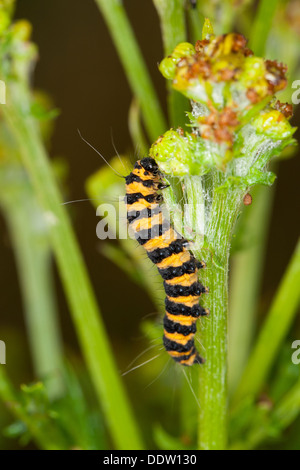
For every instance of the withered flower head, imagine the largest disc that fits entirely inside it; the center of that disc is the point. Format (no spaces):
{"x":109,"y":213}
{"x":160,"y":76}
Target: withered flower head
{"x":235,"y":117}
{"x":221,"y":69}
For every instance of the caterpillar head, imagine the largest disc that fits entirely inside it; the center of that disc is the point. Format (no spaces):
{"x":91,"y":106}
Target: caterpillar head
{"x":150,"y":166}
{"x":147,"y":169}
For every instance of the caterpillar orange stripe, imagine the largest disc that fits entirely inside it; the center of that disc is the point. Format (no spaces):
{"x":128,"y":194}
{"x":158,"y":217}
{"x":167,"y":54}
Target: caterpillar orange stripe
{"x":177,"y":266}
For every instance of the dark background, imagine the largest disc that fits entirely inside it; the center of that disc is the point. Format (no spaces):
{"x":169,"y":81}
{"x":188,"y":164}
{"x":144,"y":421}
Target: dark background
{"x":80,"y":69}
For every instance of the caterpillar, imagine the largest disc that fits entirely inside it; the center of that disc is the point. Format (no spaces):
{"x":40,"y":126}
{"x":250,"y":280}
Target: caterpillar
{"x":169,"y":252}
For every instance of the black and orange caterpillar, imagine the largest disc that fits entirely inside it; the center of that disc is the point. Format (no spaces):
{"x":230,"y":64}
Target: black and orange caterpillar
{"x":168,"y":250}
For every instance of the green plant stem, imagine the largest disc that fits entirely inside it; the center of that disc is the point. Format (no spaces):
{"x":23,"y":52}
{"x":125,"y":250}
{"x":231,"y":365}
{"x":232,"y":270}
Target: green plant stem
{"x":212,"y":376}
{"x":246,"y":273}
{"x":227,"y":17}
{"x":134,"y":65}
{"x":288,"y":408}
{"x":195,"y":24}
{"x":172,"y":21}
{"x":213,"y":331}
{"x":135,"y":128}
{"x":32,"y":251}
{"x":83,"y":306}
{"x":262,"y":26}
{"x":171,"y":15}
{"x":275,"y":328}
{"x":221,"y":14}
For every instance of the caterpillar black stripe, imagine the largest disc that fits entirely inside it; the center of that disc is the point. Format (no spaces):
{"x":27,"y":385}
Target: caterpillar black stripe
{"x":177,"y":266}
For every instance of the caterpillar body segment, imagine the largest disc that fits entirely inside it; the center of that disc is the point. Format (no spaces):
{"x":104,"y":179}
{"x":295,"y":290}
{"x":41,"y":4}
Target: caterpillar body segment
{"x":177,"y":266}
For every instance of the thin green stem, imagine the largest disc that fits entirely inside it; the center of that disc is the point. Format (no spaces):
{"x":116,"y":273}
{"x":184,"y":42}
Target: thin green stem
{"x":276,"y":326}
{"x":288,"y":408}
{"x":212,"y":376}
{"x":134,"y":65}
{"x":172,"y":21}
{"x":195,"y":24}
{"x":135,"y":128}
{"x":246,"y":273}
{"x":83,"y":306}
{"x":32,"y":251}
{"x":226,"y":17}
{"x":262,"y":26}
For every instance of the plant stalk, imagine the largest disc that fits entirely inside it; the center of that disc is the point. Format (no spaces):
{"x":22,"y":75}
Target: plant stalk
{"x":134,"y":65}
{"x":246,"y":273}
{"x":83,"y":306}
{"x":274,"y":330}
{"x":33,"y":257}
{"x":172,"y":21}
{"x":212,"y":427}
{"x":262,"y":26}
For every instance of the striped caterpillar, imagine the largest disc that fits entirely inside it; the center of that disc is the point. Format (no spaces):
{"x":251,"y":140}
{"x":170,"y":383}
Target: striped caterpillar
{"x":177,"y":266}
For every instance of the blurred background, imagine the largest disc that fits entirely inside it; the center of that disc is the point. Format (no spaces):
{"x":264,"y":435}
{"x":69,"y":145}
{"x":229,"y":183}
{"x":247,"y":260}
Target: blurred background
{"x":79,"y":68}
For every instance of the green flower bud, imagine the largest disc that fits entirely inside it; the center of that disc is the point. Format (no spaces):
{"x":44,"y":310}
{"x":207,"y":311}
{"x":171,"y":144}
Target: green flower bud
{"x":273,"y":124}
{"x":179,"y":155}
{"x":172,"y":153}
{"x":184,"y":49}
{"x":167,"y":66}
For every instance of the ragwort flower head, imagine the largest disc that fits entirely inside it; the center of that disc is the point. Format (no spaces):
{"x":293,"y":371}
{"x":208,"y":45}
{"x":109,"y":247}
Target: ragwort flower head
{"x":237,"y":123}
